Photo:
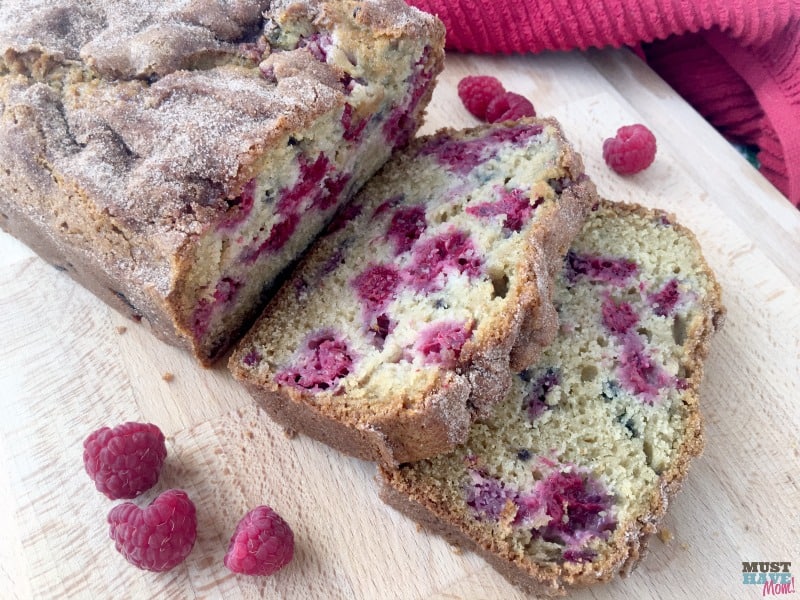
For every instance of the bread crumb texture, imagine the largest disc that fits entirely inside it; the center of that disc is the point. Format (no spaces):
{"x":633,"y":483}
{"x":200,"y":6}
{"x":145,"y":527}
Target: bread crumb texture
{"x":573,"y":469}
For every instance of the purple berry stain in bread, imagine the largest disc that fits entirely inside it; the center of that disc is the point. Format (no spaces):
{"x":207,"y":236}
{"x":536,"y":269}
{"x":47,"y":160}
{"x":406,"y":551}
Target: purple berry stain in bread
{"x":240,"y":208}
{"x":311,"y":175}
{"x":224,"y":293}
{"x":278,"y":236}
{"x":318,"y":44}
{"x":353,"y":129}
{"x":604,"y":269}
{"x":567,"y":507}
{"x":462,"y":157}
{"x":406,"y":226}
{"x":449,"y":251}
{"x":311,"y":183}
{"x":665,"y":299}
{"x":376,"y":285}
{"x":458,"y":157}
{"x":252,"y":358}
{"x":388,"y":204}
{"x":534,"y":403}
{"x":328,"y":196}
{"x":321,"y":362}
{"x":441,"y":342}
{"x":514,"y":204}
{"x":618,"y":318}
{"x":487,"y":496}
{"x":639,"y":374}
{"x":400,"y":122}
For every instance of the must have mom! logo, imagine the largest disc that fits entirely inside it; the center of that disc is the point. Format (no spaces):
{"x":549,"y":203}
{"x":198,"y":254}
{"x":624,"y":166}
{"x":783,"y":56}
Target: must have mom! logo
{"x":774,"y":577}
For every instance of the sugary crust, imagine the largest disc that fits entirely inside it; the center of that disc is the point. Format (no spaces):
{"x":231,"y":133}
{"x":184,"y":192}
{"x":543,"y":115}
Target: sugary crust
{"x":629,"y":541}
{"x":128,"y":127}
{"x":419,"y":427}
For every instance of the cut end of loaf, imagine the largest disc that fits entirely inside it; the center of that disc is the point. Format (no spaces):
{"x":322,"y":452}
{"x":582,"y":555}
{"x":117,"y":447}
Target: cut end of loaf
{"x":401,"y":325}
{"x":562,"y":483}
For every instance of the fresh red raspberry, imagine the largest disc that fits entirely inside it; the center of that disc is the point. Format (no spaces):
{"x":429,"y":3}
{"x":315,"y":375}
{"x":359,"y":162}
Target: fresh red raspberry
{"x":477,"y":91}
{"x":125,"y":461}
{"x":633,"y":150}
{"x":158,"y":537}
{"x":262,"y":544}
{"x":509,"y":107}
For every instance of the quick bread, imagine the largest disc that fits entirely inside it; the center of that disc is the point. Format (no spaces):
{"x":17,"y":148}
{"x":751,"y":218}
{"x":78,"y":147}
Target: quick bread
{"x":405,"y":323}
{"x":176,"y":157}
{"x":564,"y":481}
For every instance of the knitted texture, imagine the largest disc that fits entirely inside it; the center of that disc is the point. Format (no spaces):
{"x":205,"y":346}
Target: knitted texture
{"x":736,"y":61}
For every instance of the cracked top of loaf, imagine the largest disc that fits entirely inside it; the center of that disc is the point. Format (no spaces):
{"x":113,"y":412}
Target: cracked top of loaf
{"x":159,"y":111}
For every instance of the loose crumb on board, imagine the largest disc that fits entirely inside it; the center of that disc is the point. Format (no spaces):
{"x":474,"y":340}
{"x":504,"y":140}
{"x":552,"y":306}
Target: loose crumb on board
{"x":168,"y":377}
{"x":665,"y":535}
{"x":121,"y":329}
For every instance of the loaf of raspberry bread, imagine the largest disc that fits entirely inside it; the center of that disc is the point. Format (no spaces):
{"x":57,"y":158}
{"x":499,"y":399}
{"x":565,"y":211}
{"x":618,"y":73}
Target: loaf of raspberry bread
{"x":562,"y":484}
{"x":175,"y":157}
{"x":406,"y":321}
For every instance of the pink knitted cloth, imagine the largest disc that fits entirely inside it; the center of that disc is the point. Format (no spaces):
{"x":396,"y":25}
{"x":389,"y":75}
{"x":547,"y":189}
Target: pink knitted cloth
{"x":736,"y":61}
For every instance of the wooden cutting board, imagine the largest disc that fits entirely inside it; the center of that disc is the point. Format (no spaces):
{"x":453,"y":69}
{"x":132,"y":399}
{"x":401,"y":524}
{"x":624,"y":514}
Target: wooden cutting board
{"x":67,"y":368}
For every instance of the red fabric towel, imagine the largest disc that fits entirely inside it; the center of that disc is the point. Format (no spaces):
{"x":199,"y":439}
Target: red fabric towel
{"x":736,"y":61}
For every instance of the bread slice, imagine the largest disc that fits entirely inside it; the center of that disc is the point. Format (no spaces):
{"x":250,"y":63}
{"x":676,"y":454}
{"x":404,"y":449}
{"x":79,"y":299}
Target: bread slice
{"x":176,"y":157}
{"x":562,"y":484}
{"x":405,"y":323}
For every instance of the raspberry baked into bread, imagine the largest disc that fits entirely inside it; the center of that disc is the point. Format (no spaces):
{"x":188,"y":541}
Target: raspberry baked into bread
{"x":562,"y":484}
{"x":175,"y":157}
{"x":404,"y":323}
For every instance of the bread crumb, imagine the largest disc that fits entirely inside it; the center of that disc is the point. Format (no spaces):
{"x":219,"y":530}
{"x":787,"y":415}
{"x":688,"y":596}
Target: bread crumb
{"x":457,"y":550}
{"x":684,"y":546}
{"x":121,"y":329}
{"x":168,"y":377}
{"x":290,"y":433}
{"x":665,"y":535}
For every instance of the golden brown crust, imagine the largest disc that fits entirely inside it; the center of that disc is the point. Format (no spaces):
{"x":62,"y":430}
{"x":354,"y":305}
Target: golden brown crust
{"x":629,"y":541}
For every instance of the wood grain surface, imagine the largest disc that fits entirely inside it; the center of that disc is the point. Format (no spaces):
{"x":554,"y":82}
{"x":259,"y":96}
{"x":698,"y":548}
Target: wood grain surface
{"x":68,"y":365}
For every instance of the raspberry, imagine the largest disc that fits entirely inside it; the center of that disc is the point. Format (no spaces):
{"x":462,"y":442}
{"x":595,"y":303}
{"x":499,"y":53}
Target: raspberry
{"x":442,"y":342}
{"x":487,"y":496}
{"x":513,"y":204}
{"x":574,"y":503}
{"x":476,"y":92}
{"x":604,"y":269}
{"x":664,"y":300}
{"x":639,"y":373}
{"x":158,"y":537}
{"x":322,"y":363}
{"x":452,"y":250}
{"x":509,"y":107}
{"x":262,"y":544}
{"x":631,"y":151}
{"x":618,"y":318}
{"x":376,"y":286}
{"x":406,"y":226}
{"x":125,"y":461}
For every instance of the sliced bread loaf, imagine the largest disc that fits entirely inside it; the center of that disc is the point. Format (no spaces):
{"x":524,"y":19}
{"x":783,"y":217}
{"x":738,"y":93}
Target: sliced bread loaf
{"x":565,"y":480}
{"x":176,"y":157}
{"x":404,"y":324}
